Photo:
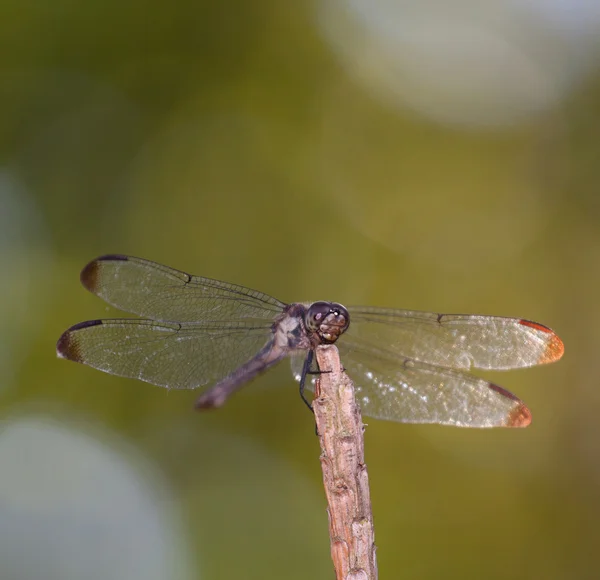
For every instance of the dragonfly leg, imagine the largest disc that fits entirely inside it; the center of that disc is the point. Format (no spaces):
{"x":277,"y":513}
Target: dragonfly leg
{"x":305,"y":371}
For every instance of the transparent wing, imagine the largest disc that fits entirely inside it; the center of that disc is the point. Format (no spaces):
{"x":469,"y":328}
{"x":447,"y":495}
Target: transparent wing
{"x":456,"y":341}
{"x":173,"y":355}
{"x":409,"y":391}
{"x":154,"y":291}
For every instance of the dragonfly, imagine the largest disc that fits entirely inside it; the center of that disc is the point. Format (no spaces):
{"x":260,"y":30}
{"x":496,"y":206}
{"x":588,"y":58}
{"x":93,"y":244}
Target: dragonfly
{"x":407,"y":366}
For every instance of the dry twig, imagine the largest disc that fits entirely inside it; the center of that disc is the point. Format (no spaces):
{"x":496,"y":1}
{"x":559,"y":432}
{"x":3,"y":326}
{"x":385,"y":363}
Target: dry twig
{"x":345,"y":477}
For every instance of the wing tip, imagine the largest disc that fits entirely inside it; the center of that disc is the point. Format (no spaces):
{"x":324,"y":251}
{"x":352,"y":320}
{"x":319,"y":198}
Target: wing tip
{"x":66,"y":346}
{"x":91,"y":273}
{"x":520,"y":416}
{"x":554,"y":350}
{"x":554,"y":346}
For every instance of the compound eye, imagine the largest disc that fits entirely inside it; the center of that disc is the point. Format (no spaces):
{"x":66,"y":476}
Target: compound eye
{"x":315,"y":315}
{"x":341,"y":311}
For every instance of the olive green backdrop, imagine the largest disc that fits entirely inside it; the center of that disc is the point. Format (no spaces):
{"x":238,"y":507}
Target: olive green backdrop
{"x":227,"y":140}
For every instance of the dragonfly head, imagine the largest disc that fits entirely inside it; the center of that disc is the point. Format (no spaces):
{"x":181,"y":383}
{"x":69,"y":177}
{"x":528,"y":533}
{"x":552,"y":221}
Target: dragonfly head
{"x":328,"y":320}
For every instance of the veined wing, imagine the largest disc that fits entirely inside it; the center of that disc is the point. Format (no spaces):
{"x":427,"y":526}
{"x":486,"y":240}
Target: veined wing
{"x":155,"y":291}
{"x":457,"y":341}
{"x":172,"y":355}
{"x":410,"y":391}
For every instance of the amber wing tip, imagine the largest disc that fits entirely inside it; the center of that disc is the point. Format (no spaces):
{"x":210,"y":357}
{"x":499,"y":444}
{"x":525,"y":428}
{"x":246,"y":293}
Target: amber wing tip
{"x":554,"y":350}
{"x":66,"y":346}
{"x":89,"y":276}
{"x":90,"y":273}
{"x":519,"y":417}
{"x":555,"y":347}
{"x":62,"y":345}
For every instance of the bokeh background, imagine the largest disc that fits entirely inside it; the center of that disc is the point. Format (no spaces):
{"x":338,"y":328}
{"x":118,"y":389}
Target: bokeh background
{"x":434,"y":155}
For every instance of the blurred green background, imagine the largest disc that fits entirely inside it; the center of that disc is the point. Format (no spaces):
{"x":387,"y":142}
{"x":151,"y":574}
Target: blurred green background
{"x":432,"y":156}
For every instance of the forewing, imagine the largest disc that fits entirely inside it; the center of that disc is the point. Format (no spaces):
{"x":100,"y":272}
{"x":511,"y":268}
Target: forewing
{"x":172,"y":355}
{"x":155,"y":291}
{"x":410,"y":391}
{"x":454,"y":340}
